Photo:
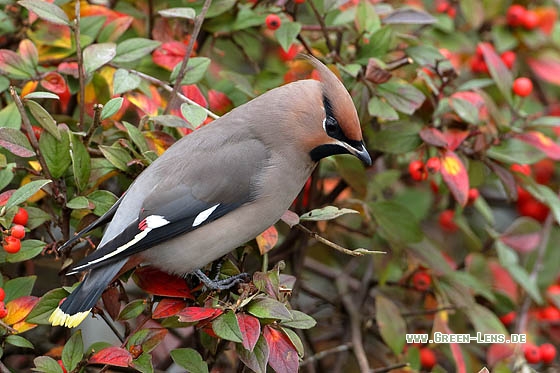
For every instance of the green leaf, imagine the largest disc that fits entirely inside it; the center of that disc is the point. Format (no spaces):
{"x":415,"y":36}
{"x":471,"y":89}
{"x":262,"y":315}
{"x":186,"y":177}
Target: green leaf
{"x":464,"y":109}
{"x":137,"y":138}
{"x":484,"y":320}
{"x":257,"y":359}
{"x":226,"y":327}
{"x":513,"y":150}
{"x":111,"y":107}
{"x":15,"y":142}
{"x":246,"y":18}
{"x":124,"y":81}
{"x":19,"y":341}
{"x":169,"y":121}
{"x":44,"y":308}
{"x":296,"y":341}
{"x":36,"y":217}
{"x":367,"y":20}
{"x":118,"y":156}
{"x":189,"y":359}
{"x":397,"y":138}
{"x":410,"y":16}
{"x":194,"y":114}
{"x":300,"y":320}
{"x":14,"y":66}
{"x":73,"y":351}
{"x":381,"y":109}
{"x":6,"y":175}
{"x":402,"y":96}
{"x":43,"y":118}
{"x":187,"y":13}
{"x":546,"y":121}
{"x":132,"y":309}
{"x":287,"y":34}
{"x":10,"y":117}
{"x":396,"y":222}
{"x":46,"y":364}
{"x":97,"y":55}
{"x":391,"y":324}
{"x":352,"y":171}
{"x":196,"y":69}
{"x":425,"y":55}
{"x":81,"y":162}
{"x":499,"y":72}
{"x":268,"y":308}
{"x":326,"y":213}
{"x":56,"y":153}
{"x":18,"y":287}
{"x":133,"y":49}
{"x":143,"y":363}
{"x":473,"y":12}
{"x":26,"y":191}
{"x":47,"y":11}
{"x":79,"y":202}
{"x":103,"y":201}
{"x":29,"y":250}
{"x":35,"y":95}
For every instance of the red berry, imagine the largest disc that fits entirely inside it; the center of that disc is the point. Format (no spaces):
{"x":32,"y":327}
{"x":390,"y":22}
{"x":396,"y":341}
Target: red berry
{"x":515,"y":15}
{"x":531,"y":20}
{"x":452,"y":12}
{"x":442,"y":6}
{"x":524,"y":169}
{"x":473,"y":195}
{"x":446,"y":221}
{"x":3,"y":310}
{"x":11,"y":244}
{"x":290,"y":54}
{"x":544,"y":170}
{"x":478,"y":65}
{"x":533,"y":208}
{"x":548,"y":353}
{"x":21,"y":217}
{"x":2,"y":294}
{"x":549,"y":313}
{"x":61,"y":364}
{"x":508,"y":318}
{"x":417,"y":170}
{"x":273,"y":22}
{"x":508,"y":58}
{"x":299,"y":1}
{"x":553,"y":291}
{"x":433,"y":165}
{"x":427,"y":358}
{"x":522,"y":195}
{"x":18,"y":231}
{"x":421,"y":281}
{"x":532,"y":353}
{"x":522,"y":87}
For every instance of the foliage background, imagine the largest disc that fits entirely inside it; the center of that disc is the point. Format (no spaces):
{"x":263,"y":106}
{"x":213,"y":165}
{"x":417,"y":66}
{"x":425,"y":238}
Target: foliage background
{"x":91,"y":93}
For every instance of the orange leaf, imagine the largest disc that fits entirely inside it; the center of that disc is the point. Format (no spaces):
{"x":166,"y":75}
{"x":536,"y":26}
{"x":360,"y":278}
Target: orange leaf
{"x":156,"y":282}
{"x":23,"y":326}
{"x":541,"y":142}
{"x":158,"y":141}
{"x":267,"y":239}
{"x":283,"y":356}
{"x":116,"y":356}
{"x":193,"y":314}
{"x":455,"y":176}
{"x":168,"y":307}
{"x":19,"y":308}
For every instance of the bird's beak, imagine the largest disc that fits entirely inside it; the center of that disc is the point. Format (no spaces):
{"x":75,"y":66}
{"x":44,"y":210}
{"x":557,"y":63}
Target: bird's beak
{"x":360,"y":152}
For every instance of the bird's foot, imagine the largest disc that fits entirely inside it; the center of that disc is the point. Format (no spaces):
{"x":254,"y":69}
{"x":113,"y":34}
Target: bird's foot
{"x":224,"y":284}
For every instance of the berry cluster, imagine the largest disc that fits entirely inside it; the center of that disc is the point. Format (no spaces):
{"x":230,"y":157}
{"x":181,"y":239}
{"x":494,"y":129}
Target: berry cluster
{"x":544,"y":353}
{"x":478,"y":64}
{"x":12,"y":238}
{"x":3,"y":310}
{"x":526,"y":204}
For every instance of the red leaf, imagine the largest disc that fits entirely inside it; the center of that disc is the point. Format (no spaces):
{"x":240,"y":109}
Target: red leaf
{"x":250,"y":329}
{"x":193,"y":92}
{"x":111,"y":301}
{"x":5,"y":196}
{"x":475,"y":99}
{"x":433,"y":136}
{"x":54,"y":82}
{"x":116,"y":356}
{"x":502,"y":280}
{"x":219,"y":102}
{"x":541,"y":142}
{"x":169,"y":54}
{"x":547,"y":18}
{"x":455,"y":176}
{"x":69,"y":68}
{"x":168,"y":307}
{"x":458,"y":358}
{"x":524,"y":243}
{"x":498,"y":351}
{"x":546,"y":67}
{"x":454,"y":138}
{"x":193,"y":314}
{"x":19,"y":308}
{"x":283,"y":356}
{"x":156,"y":282}
{"x":12,"y":64}
{"x":267,"y":239}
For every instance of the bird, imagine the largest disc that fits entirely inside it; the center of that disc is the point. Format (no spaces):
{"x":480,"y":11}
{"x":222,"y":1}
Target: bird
{"x":219,"y":186}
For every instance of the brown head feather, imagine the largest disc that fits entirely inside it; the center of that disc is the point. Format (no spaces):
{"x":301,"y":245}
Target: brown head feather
{"x":340,"y":100}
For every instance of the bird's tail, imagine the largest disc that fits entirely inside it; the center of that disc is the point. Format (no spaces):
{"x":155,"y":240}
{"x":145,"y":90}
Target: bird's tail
{"x":79,"y":303}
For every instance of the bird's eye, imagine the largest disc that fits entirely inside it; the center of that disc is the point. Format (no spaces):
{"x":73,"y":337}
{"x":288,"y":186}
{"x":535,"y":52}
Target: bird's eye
{"x":331,"y":125}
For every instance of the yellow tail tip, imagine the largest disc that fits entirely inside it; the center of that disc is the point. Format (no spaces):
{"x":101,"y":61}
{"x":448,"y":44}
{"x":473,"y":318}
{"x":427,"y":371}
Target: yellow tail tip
{"x":59,"y":317}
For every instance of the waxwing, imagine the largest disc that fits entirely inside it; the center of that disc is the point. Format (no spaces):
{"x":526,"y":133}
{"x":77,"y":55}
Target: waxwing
{"x":220,"y":186}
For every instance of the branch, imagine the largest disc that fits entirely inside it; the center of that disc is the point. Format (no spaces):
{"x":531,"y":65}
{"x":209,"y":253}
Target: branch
{"x":322,"y":25}
{"x":322,"y":354}
{"x":183,"y":70}
{"x":81,"y":71}
{"x":97,"y":108}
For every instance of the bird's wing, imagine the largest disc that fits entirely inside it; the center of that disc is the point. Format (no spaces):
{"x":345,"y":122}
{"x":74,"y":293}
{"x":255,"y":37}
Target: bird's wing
{"x":199,"y":198}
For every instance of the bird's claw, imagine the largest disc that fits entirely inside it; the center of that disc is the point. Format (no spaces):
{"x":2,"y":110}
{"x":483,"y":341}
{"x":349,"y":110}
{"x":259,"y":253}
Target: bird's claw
{"x":224,"y":284}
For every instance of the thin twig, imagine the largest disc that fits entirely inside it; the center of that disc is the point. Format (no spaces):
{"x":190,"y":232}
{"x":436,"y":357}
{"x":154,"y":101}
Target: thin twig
{"x":3,"y":368}
{"x":322,"y":354}
{"x":169,"y":88}
{"x":183,"y":70}
{"x":97,"y":108}
{"x":521,"y":325}
{"x":81,"y":71}
{"x":390,"y":368}
{"x":322,"y":25}
{"x":8,"y":327}
{"x":357,"y":252}
{"x":111,"y":325}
